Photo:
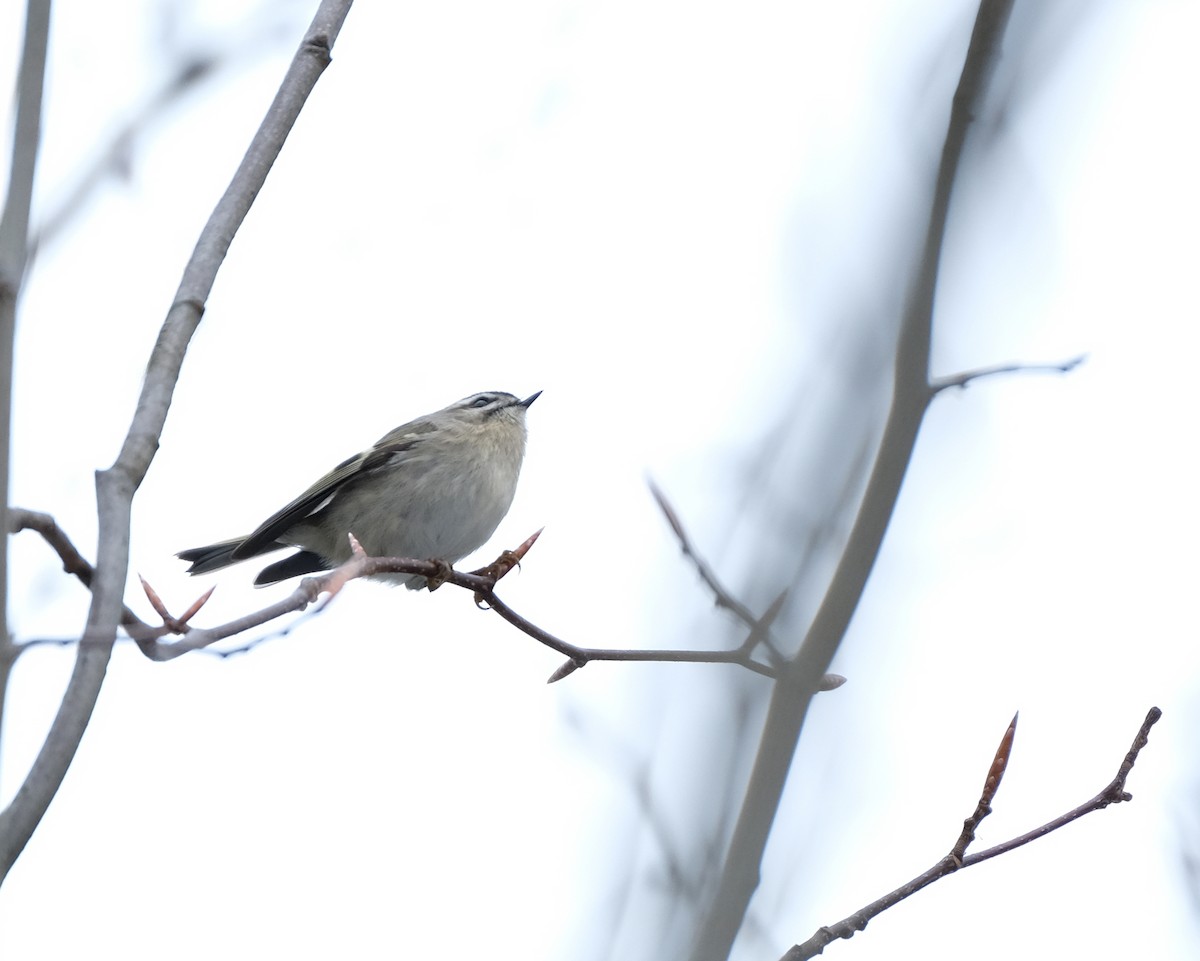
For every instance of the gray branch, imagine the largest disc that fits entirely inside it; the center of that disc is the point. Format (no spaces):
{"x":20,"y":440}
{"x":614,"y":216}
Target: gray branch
{"x":116,"y":486}
{"x":14,"y":256}
{"x":799,"y":679}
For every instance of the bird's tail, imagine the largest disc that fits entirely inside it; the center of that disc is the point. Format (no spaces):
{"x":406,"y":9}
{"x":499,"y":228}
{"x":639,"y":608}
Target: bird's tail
{"x":211,"y":558}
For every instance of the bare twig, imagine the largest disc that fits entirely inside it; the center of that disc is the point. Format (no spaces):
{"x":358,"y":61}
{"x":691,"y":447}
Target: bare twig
{"x":176,"y":625}
{"x":481,"y":583}
{"x":186,"y":69}
{"x":509,"y":559}
{"x":990,"y":786}
{"x":113,"y":158}
{"x":74,"y":563}
{"x":722,"y":596}
{"x":760,"y":627}
{"x":1113,"y":793}
{"x":937,"y":385}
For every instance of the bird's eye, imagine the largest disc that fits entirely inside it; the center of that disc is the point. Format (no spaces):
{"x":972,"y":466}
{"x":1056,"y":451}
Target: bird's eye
{"x":482,"y":401}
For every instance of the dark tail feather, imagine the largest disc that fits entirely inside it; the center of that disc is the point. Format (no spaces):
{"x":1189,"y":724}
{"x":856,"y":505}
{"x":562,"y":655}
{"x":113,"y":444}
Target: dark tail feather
{"x":304,"y":562}
{"x":215,"y":556}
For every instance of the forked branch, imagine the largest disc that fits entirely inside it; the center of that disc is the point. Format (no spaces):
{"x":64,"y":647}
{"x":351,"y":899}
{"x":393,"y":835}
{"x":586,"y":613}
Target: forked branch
{"x":1113,"y":793}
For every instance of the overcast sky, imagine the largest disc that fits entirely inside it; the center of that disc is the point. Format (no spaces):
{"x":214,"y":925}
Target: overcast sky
{"x":677,"y":221}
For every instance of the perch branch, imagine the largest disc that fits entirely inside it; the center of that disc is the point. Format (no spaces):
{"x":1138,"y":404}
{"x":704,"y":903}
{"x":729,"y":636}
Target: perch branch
{"x":481,"y":583}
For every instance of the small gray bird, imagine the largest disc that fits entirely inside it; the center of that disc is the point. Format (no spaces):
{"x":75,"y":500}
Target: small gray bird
{"x":434,"y":488}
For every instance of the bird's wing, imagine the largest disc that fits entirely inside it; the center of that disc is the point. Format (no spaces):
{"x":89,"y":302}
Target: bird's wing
{"x":400,"y":441}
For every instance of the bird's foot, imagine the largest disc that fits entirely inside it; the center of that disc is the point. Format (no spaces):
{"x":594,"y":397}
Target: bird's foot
{"x":443,"y":573}
{"x":500,"y":566}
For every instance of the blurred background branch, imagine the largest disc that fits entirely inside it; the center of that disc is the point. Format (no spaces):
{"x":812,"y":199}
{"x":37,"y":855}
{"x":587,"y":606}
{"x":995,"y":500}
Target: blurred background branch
{"x":14,"y":256}
{"x":911,"y":393}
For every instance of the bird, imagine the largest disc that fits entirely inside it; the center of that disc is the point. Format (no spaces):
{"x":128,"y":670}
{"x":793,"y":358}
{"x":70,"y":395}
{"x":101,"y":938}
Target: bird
{"x":435,"y":488}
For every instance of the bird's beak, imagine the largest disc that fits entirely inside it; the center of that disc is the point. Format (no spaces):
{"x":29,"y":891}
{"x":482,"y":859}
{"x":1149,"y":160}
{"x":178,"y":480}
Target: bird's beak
{"x":530,"y":399}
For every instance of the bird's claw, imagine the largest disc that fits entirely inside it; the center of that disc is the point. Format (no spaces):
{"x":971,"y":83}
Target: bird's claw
{"x":443,"y":573}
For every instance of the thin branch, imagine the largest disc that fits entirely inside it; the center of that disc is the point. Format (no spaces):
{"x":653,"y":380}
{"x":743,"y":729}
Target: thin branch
{"x":760,"y":627}
{"x":222,"y":653}
{"x":73,"y":562}
{"x":579,"y":656}
{"x":939,"y":384}
{"x":991,"y":785}
{"x":1113,"y":793}
{"x":113,"y":158}
{"x":14,"y":258}
{"x":480,"y":583}
{"x":721,"y":595}
{"x":187,"y":69}
{"x":148,"y":637}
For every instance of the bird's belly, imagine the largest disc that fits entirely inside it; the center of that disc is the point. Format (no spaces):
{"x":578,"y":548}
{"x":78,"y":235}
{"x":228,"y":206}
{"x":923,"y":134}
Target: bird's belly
{"x":426,"y":516}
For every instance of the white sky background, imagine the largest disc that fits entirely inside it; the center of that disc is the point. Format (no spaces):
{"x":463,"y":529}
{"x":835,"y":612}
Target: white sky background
{"x":659,"y":215}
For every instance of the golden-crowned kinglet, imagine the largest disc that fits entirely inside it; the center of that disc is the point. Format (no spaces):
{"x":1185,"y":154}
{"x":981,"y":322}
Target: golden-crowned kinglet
{"x":434,"y":488}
